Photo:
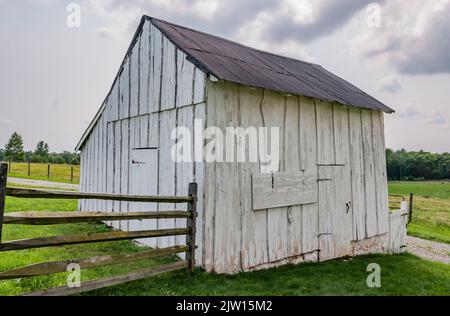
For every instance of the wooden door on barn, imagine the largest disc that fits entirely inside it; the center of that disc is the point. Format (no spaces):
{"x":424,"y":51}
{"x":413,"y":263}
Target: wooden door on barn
{"x":335,"y":212}
{"x":144,"y":181}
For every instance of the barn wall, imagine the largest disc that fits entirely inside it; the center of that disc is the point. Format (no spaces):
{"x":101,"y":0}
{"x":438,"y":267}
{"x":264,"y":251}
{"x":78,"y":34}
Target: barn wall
{"x":341,"y":147}
{"x":157,"y":90}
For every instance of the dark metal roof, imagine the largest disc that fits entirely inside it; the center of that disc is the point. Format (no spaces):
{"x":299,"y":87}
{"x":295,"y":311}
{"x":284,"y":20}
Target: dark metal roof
{"x":231,"y":61}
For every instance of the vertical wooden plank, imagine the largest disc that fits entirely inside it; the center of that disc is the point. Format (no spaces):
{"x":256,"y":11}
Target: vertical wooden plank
{"x":113,"y":103}
{"x":134,"y":187}
{"x":343,"y":215}
{"x":153,"y":130}
{"x":169,"y":75}
{"x":292,"y":164}
{"x":124,"y":161}
{"x":102,"y":161}
{"x":357,"y":168}
{"x":144,"y":68}
{"x":327,"y":203}
{"x":254,"y":224}
{"x":273,"y":110}
{"x":98,"y":155}
{"x":227,"y":196}
{"x":341,"y":132}
{"x":155,"y":69}
{"x":117,"y":167}
{"x":325,"y":138}
{"x":210,"y":187}
{"x":185,"y":80}
{"x":91,"y":170}
{"x":143,"y":131}
{"x":135,"y":79}
{"x":166,"y":180}
{"x":308,"y":158}
{"x":184,"y":170}
{"x":199,"y":169}
{"x":199,"y":86}
{"x":380,"y":172}
{"x":124,"y":91}
{"x":369,"y":175}
{"x":110,"y":172}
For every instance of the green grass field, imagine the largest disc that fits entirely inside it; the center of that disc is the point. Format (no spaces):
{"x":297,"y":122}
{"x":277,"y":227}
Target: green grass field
{"x":38,"y":171}
{"x":401,"y":275}
{"x":431,"y":211}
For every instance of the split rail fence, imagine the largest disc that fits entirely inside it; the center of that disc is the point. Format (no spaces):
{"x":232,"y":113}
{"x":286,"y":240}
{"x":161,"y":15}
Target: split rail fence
{"x":56,"y":218}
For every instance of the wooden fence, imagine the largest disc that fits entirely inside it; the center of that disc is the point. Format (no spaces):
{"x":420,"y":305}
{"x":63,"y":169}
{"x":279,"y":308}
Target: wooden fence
{"x":45,"y":171}
{"x":400,"y":202}
{"x":55,"y":218}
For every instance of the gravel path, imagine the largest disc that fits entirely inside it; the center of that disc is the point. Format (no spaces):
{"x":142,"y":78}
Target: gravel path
{"x":430,"y":250}
{"x":42,"y":183}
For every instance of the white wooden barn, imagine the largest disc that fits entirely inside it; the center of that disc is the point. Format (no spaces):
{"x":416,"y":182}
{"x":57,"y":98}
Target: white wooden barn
{"x":329,"y":198}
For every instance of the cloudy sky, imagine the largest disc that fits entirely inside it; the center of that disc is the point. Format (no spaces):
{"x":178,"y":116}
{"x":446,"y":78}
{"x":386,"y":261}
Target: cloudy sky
{"x":53,"y":77}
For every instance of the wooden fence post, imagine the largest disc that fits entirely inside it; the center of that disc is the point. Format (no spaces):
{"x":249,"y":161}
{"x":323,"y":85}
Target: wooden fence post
{"x":71,"y":173}
{"x":3,"y":180}
{"x":191,"y":224}
{"x":410,"y":210}
{"x":29,"y":168}
{"x":48,"y":171}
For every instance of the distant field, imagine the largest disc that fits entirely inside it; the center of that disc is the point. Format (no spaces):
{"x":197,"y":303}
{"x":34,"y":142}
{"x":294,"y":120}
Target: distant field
{"x":58,"y":173}
{"x":428,"y":189}
{"x":431,"y":211}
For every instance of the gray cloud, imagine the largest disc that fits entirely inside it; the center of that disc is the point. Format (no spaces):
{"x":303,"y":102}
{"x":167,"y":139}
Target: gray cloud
{"x":408,"y":113}
{"x":390,"y":84}
{"x":438,"y":120}
{"x":227,"y":19}
{"x":329,"y":17}
{"x":421,"y":48}
{"x":230,"y":16}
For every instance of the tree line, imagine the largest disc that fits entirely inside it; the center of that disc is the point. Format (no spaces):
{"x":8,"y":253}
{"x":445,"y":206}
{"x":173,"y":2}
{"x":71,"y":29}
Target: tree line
{"x":417,"y":165}
{"x":15,"y":152}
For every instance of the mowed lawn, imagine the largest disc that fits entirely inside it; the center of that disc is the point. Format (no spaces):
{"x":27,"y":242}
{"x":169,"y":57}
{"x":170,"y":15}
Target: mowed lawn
{"x":431,"y":208}
{"x":39,"y":171}
{"x":400,"y":275}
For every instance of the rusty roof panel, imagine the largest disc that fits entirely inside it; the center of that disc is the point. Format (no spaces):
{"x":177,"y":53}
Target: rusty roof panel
{"x":231,"y":61}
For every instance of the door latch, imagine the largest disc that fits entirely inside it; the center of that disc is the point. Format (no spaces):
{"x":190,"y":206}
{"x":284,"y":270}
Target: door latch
{"x":348,"y":205}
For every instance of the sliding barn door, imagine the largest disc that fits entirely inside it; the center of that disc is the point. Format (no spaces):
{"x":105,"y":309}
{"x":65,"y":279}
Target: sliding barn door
{"x":335,"y":212}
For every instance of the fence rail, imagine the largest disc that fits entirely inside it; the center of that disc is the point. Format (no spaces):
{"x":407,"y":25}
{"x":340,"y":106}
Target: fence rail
{"x":56,"y":218}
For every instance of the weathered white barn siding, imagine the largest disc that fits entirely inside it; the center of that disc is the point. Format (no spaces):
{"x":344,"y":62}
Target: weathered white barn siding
{"x":157,"y":89}
{"x":322,"y":140}
{"x":329,"y":193}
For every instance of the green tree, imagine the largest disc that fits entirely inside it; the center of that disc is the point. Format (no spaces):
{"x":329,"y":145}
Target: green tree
{"x":2,"y":155}
{"x":14,"y":148}
{"x":41,"y":149}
